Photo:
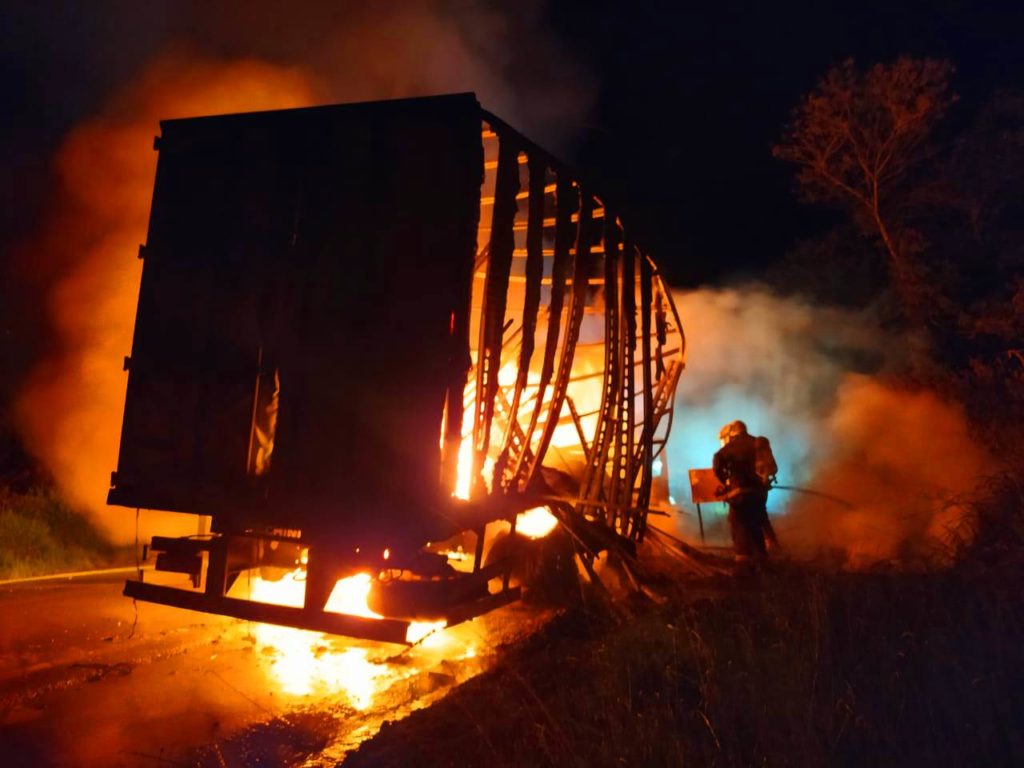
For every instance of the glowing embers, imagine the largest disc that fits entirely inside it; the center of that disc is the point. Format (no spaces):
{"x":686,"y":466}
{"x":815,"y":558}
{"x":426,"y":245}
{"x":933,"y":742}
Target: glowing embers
{"x":305,"y":662}
{"x":350,"y":596}
{"x":536,"y":523}
{"x":465,"y":476}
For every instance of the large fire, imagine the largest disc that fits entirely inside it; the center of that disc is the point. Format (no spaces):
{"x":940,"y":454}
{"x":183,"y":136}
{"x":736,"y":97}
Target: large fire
{"x":305,"y":663}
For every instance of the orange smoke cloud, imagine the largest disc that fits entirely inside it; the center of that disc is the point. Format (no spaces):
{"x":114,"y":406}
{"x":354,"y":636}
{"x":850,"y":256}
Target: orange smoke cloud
{"x":907,"y":463}
{"x":69,"y":410}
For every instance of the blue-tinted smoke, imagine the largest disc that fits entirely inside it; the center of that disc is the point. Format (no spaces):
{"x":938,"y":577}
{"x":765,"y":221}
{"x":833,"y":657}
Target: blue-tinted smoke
{"x":773,"y":363}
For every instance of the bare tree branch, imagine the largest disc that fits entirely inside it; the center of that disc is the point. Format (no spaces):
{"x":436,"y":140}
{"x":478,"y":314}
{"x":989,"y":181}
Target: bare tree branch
{"x":854,"y":139}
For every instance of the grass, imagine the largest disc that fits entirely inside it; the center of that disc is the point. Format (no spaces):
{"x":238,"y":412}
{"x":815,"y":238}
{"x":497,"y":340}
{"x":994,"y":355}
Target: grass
{"x":40,"y":534}
{"x":795,"y":667}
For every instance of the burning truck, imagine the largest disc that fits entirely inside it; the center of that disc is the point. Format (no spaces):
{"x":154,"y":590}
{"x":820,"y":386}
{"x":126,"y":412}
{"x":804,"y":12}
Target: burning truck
{"x":371,"y":339}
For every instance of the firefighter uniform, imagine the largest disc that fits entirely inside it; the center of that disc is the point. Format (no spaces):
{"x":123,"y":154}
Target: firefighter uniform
{"x":746,"y":468}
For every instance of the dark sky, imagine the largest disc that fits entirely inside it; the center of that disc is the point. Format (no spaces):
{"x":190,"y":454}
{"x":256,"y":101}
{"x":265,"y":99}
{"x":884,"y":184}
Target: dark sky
{"x":691,"y":100}
{"x":688,"y":97}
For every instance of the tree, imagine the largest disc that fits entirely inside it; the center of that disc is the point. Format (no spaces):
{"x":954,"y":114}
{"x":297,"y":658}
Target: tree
{"x":857,"y":139}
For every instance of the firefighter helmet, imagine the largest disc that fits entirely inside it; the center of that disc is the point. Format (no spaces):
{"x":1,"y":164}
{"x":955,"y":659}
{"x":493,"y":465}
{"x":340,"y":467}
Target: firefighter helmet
{"x":731,"y":430}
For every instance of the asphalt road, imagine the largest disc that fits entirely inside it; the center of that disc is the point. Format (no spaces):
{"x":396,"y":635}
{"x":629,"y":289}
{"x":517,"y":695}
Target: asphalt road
{"x":87,"y":678}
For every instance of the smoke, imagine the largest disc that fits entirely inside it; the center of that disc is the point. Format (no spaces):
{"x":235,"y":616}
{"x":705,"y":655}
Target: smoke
{"x":822,"y":383}
{"x":509,"y":58}
{"x":83,"y":260}
{"x":505,"y":53}
{"x":69,"y":409}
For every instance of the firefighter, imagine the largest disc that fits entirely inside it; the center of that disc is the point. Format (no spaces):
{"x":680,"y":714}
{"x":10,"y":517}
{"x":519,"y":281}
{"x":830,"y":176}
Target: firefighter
{"x":746,"y":469}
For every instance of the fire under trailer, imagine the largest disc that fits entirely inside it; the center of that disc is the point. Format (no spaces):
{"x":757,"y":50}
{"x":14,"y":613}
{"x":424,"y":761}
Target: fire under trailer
{"x":367,"y":332}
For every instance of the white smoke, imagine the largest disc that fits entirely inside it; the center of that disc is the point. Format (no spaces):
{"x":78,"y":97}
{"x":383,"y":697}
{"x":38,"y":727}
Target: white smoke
{"x":822,"y":384}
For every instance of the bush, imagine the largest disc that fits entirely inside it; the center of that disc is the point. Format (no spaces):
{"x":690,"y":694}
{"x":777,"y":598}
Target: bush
{"x":40,"y":534}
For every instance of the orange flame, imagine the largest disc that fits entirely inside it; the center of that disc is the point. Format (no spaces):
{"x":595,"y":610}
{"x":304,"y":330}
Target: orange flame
{"x":306,"y":662}
{"x":536,"y":523}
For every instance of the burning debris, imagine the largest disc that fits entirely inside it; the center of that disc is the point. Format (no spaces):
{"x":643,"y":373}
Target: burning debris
{"x":372,"y":342}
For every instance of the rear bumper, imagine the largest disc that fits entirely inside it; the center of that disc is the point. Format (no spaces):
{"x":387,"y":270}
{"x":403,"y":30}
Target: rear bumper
{"x":382,"y":630}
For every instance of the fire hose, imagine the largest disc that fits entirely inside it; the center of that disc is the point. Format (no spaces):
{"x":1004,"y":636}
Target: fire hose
{"x":794,"y":489}
{"x":810,"y":492}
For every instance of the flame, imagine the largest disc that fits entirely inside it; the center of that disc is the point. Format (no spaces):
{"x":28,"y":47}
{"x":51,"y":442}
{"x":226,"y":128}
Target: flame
{"x":425,"y":633}
{"x":305,"y":662}
{"x":536,"y":523}
{"x":465,"y":469}
{"x":350,"y":595}
{"x":586,"y":391}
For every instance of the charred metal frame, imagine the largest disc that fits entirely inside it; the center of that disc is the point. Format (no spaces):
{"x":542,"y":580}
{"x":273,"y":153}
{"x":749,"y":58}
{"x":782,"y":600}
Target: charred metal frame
{"x":611,"y":276}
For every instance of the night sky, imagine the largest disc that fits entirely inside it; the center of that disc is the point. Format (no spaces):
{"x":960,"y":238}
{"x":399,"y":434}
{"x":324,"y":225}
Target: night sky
{"x":685,"y":99}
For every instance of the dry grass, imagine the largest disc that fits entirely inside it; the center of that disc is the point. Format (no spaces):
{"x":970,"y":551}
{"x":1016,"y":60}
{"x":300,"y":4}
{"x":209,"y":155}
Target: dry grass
{"x":794,"y":667}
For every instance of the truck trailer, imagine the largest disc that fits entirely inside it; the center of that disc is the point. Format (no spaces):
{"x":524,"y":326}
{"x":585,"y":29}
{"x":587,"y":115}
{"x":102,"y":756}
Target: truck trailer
{"x":367,"y":331}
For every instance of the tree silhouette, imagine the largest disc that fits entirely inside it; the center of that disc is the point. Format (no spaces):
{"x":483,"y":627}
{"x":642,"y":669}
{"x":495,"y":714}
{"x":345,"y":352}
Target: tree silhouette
{"x":857,"y":139}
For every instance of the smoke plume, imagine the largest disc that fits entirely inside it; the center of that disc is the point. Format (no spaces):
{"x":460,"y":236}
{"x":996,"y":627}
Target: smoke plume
{"x":70,"y":407}
{"x":822,"y":384}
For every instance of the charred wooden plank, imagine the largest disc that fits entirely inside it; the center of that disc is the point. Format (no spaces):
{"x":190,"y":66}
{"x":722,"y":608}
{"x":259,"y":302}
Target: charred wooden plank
{"x":495,"y":300}
{"x":646,"y":459}
{"x":625,"y":475}
{"x":567,"y":201}
{"x":579,"y":424}
{"x":581,"y":273}
{"x":459,"y":360}
{"x":604,"y":447}
{"x":531,"y":305}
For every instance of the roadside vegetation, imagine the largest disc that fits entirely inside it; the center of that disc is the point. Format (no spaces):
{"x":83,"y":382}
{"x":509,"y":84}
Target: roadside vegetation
{"x":800,"y":666}
{"x":40,"y":534}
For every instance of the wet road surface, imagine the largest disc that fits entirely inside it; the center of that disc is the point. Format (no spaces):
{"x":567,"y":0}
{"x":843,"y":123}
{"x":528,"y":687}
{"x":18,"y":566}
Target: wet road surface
{"x":87,"y":678}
